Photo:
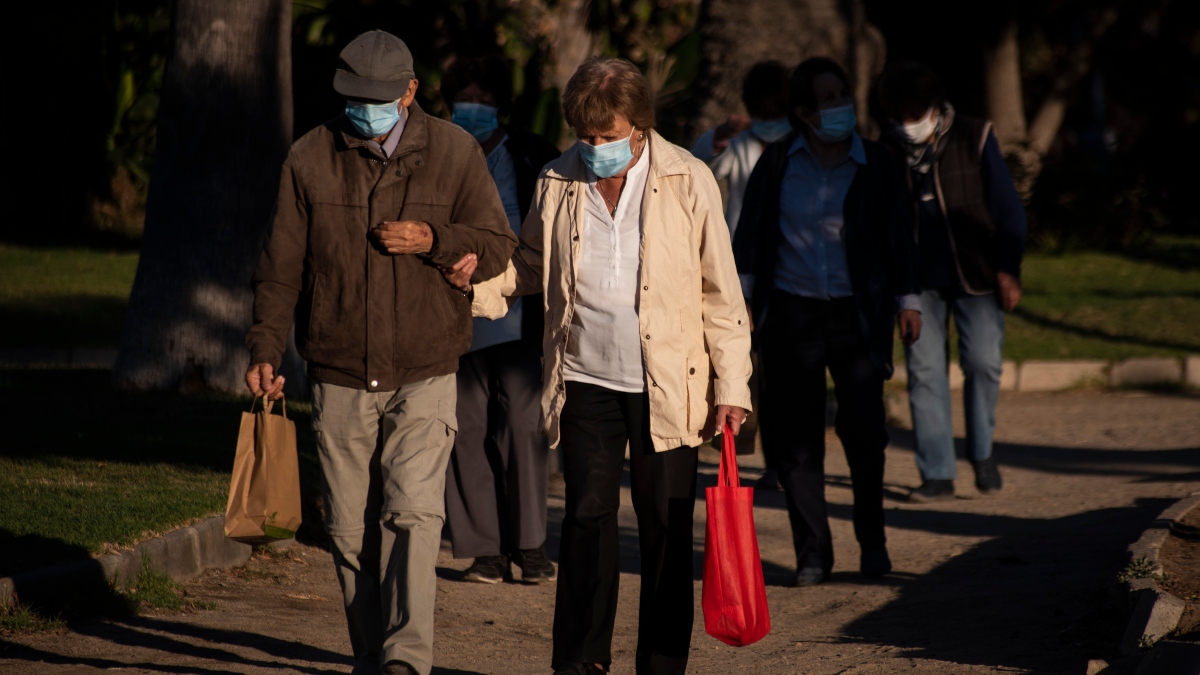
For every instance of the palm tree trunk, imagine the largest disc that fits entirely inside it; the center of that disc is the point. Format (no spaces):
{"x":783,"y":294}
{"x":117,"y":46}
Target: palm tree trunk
{"x":224,"y":128}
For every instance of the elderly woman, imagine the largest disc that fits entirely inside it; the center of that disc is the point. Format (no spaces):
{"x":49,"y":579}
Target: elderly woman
{"x":647,"y":344}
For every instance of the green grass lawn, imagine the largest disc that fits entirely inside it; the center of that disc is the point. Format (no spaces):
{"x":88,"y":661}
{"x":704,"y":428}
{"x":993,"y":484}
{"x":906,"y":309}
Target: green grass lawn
{"x":84,"y":470}
{"x":1076,"y":306}
{"x":63,"y":297}
{"x":1105,"y":306}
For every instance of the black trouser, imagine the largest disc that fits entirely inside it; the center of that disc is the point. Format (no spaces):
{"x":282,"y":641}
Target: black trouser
{"x":497,"y":475}
{"x":596,"y":423}
{"x":801,"y":338}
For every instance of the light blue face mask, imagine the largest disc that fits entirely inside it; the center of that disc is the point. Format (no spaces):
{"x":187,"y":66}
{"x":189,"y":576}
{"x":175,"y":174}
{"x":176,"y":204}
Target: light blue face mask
{"x":373,"y":120}
{"x":836,"y":124}
{"x":769,"y":131}
{"x":477,"y":119}
{"x":607,"y":159}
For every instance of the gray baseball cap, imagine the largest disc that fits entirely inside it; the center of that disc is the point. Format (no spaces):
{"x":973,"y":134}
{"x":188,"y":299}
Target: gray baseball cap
{"x":375,"y":65}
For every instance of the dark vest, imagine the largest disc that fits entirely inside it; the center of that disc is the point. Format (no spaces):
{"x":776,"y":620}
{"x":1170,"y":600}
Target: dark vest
{"x":959,"y":181}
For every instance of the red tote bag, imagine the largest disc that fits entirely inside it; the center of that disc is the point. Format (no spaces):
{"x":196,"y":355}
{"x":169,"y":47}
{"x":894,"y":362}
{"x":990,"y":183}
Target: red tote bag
{"x":735,"y":597}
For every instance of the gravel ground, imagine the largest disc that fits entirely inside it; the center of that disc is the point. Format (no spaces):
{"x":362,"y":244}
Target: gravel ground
{"x":1015,"y":582}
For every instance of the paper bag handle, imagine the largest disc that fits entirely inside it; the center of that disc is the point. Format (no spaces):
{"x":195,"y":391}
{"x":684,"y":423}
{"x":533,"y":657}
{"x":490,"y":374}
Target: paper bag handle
{"x":268,"y":406}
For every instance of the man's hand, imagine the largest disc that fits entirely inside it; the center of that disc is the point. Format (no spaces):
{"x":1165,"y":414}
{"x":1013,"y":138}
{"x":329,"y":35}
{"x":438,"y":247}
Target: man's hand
{"x":750,"y":316}
{"x":404,"y":237}
{"x":732,"y":415}
{"x":733,"y":126}
{"x":261,"y":381}
{"x":1008,"y":290}
{"x":910,"y":326}
{"x":459,"y":276}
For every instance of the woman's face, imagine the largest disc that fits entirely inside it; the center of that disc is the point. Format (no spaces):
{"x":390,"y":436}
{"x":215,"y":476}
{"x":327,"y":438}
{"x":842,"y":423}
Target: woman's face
{"x":473,"y":93}
{"x":830,"y":92}
{"x":621,"y":129}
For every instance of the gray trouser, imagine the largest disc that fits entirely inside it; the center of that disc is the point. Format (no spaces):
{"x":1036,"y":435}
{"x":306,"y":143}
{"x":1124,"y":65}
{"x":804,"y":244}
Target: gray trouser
{"x":383,"y":472}
{"x":496,"y":481}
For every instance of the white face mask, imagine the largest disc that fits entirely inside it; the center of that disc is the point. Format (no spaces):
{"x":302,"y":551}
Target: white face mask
{"x":920,"y":131}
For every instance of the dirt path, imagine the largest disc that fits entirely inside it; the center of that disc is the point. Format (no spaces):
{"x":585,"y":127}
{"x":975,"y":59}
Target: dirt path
{"x":1014,"y":582}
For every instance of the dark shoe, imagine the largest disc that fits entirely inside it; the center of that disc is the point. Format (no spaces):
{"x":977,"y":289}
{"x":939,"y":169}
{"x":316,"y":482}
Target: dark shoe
{"x":933,"y":491}
{"x":987,"y":475}
{"x":769,"y":480}
{"x":490,"y":569}
{"x":875,"y":563}
{"x":810,"y":576}
{"x":397,"y":668}
{"x":581,"y":669}
{"x":536,"y":568}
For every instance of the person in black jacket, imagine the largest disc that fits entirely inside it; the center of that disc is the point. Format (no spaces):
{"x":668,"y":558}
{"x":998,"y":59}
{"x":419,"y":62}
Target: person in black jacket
{"x":825,"y":251}
{"x":496,"y":481}
{"x":970,"y":226}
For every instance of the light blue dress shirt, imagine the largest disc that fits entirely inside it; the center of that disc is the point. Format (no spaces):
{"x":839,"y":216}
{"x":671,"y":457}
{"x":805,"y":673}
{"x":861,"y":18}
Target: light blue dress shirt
{"x":812,"y":255}
{"x":812,"y":251}
{"x":507,"y":329}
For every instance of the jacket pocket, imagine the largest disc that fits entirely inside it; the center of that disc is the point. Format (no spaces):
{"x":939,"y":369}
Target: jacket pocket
{"x":448,"y":416}
{"x":316,"y":310}
{"x":427,"y":206}
{"x":699,"y":387}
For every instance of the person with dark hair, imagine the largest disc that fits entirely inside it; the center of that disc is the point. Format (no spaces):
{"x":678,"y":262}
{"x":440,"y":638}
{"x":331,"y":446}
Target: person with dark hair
{"x":647,"y":348}
{"x":496,"y":479}
{"x":731,"y":150}
{"x":970,"y":227}
{"x":825,"y":252}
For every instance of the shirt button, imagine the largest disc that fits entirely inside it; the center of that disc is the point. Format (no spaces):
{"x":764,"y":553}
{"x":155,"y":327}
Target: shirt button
{"x":691,"y":371}
{"x":647,"y":336}
{"x":374,"y":383}
{"x":645,"y":288}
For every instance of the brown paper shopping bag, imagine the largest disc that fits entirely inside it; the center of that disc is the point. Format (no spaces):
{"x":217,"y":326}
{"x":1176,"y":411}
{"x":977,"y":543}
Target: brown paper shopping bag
{"x":264,"y":496}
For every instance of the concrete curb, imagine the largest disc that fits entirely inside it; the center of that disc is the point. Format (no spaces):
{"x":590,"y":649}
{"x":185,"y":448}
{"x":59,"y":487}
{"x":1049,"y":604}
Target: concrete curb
{"x":182,"y":554}
{"x":1155,"y":612}
{"x":1039,"y":375}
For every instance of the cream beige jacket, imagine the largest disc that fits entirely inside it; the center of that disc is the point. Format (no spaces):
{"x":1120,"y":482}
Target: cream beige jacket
{"x":695,"y":333}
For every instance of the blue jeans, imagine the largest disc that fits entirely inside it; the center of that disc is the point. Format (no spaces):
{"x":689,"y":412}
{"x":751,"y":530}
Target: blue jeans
{"x":980,"y":323}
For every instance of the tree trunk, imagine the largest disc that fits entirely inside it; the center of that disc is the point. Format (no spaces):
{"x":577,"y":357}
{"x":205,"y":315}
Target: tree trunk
{"x":1002,"y":88}
{"x":1044,"y":127}
{"x":737,"y":34}
{"x":224,"y":128}
{"x":571,"y":43}
{"x":1026,"y":144}
{"x":1006,"y":107}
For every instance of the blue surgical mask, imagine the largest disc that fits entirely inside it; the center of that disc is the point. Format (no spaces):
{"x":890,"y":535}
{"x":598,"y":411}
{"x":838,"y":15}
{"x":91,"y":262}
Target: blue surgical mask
{"x":607,"y":159}
{"x":479,"y":120}
{"x":836,"y":124}
{"x":372,"y":120}
{"x":769,"y":131}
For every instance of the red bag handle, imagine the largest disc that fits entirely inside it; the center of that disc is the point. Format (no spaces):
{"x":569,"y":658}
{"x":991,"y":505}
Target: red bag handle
{"x":727,"y":475}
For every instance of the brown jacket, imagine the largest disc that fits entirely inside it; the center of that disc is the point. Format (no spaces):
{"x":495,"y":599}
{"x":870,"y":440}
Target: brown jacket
{"x":364,"y":318}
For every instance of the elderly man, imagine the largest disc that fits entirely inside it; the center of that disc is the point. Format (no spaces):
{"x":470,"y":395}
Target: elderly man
{"x":372,"y":206}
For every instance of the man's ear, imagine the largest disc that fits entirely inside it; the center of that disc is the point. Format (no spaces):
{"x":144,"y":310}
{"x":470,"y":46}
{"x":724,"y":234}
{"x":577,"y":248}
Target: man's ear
{"x":411,"y":94}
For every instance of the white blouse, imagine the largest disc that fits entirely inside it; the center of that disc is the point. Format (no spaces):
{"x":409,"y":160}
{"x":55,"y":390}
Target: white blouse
{"x":605,"y":347}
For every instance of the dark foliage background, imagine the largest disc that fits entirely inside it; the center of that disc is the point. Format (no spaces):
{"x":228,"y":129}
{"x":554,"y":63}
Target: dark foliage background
{"x":83,"y":78}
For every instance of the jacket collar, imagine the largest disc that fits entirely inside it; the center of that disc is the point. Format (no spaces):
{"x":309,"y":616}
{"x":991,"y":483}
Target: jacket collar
{"x":414,"y":138}
{"x":665,"y":160}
